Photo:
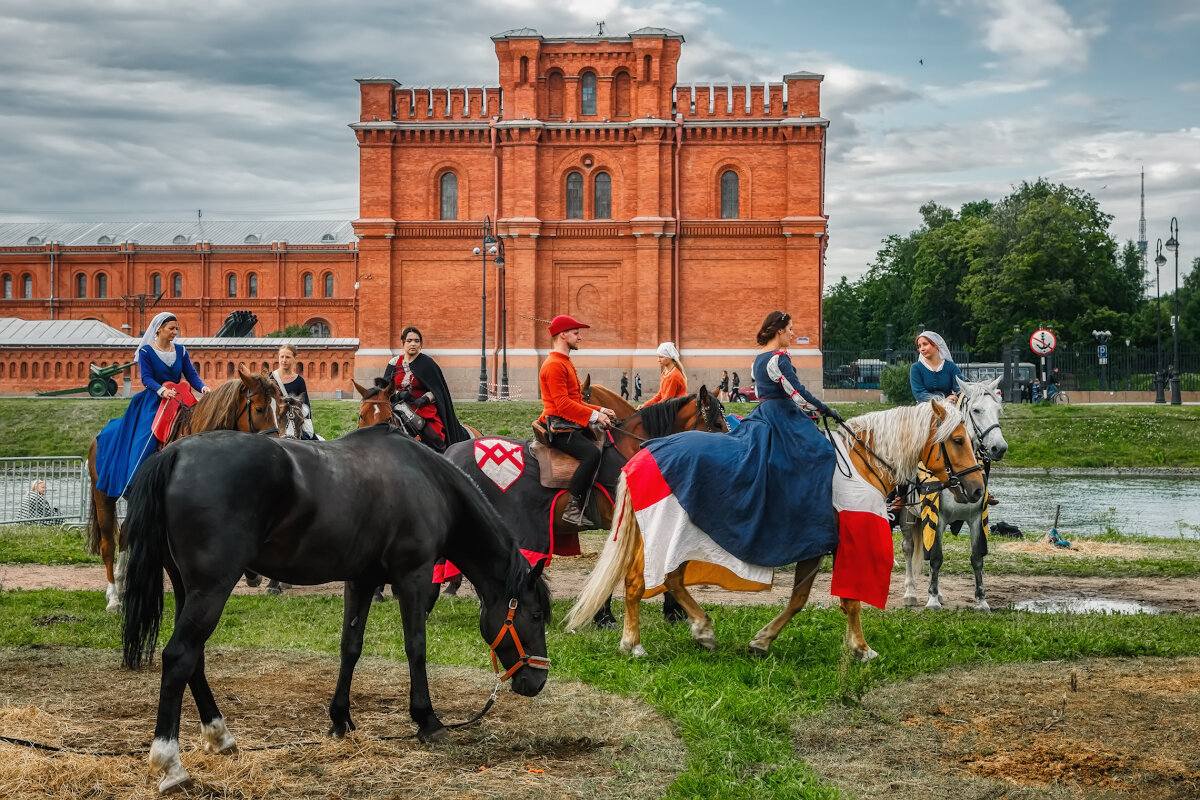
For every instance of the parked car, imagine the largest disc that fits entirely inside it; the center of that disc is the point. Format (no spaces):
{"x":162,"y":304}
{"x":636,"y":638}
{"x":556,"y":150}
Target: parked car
{"x":745,"y":394}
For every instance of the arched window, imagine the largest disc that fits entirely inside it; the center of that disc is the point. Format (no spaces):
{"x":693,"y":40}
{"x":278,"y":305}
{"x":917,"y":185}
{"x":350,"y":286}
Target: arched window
{"x":307,"y":281}
{"x":81,"y":285}
{"x":101,"y":285}
{"x":524,"y":69}
{"x":449,"y":186}
{"x":177,"y":285}
{"x":156,"y":283}
{"x":8,"y":287}
{"x":319,"y":328}
{"x":729,"y":195}
{"x":328,"y":238}
{"x":622,"y":90}
{"x":646,"y":64}
{"x":252,"y":238}
{"x":27,"y":287}
{"x":554,"y":85}
{"x":33,"y":241}
{"x":252,"y":285}
{"x":35,"y":370}
{"x":574,"y":195}
{"x":70,"y":370}
{"x":232,"y":285}
{"x":180,"y":239}
{"x":333,"y":370}
{"x":58,"y":369}
{"x":105,"y":239}
{"x":602,"y":196}
{"x":329,"y":284}
{"x":587,"y":94}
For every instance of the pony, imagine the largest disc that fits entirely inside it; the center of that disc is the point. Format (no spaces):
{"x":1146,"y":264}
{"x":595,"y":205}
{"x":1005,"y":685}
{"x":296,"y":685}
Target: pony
{"x":509,"y":472}
{"x":981,"y":410}
{"x":883,"y":447}
{"x":248,"y":404}
{"x":211,"y":506}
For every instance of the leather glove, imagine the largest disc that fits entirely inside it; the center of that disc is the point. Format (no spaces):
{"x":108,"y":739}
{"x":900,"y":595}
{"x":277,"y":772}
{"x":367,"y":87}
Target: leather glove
{"x":404,"y":396}
{"x":421,"y":401}
{"x":833,"y":415}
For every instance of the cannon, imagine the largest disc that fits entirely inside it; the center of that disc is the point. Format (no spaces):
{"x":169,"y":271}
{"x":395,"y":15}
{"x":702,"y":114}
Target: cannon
{"x":100,"y":384}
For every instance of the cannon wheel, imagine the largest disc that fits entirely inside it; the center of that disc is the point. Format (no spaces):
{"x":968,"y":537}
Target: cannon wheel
{"x":97,"y":387}
{"x":111,"y":386}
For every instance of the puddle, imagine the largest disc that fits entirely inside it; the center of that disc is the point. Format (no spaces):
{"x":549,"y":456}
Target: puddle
{"x":1085,"y":605}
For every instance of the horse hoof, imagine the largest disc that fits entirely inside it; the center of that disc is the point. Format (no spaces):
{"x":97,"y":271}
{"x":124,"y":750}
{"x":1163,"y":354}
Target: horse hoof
{"x":604,"y":619}
{"x":864,"y":656}
{"x":254,"y":582}
{"x":934,"y":604}
{"x":284,"y":586}
{"x":911,"y":601}
{"x":983,"y":607}
{"x":638,"y":652}
{"x":170,"y":785}
{"x":758,"y":651}
{"x":378,"y":598}
{"x":434,"y":737}
{"x":217,"y":738}
{"x":707,"y":642}
{"x":273,"y":589}
{"x":113,"y":607}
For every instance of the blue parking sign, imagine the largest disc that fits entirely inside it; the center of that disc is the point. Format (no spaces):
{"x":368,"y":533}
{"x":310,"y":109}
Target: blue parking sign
{"x":1102,"y":351}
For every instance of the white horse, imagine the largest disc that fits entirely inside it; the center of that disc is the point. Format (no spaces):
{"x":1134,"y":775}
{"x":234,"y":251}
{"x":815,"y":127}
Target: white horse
{"x":981,"y":409}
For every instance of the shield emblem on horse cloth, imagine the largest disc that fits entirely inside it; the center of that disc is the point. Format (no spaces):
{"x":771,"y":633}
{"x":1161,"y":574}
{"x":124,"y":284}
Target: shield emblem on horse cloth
{"x":502,"y":461}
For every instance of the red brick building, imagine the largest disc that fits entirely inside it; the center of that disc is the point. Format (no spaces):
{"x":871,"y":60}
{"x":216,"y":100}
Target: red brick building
{"x":651,"y":209}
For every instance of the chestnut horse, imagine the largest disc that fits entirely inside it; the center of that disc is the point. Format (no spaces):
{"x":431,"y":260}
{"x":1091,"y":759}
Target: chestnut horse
{"x":248,"y":403}
{"x":883,"y":448}
{"x":376,"y":407}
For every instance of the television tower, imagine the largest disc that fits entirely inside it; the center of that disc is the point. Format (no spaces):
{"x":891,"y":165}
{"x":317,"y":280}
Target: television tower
{"x":1141,"y":245}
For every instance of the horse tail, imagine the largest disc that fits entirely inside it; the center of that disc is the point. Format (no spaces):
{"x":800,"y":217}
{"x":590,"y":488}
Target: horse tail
{"x":145,"y":536}
{"x":93,"y":528}
{"x":619,"y":552}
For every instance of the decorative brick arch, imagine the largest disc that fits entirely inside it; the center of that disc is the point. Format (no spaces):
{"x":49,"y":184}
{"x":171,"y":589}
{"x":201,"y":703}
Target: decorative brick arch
{"x":573,"y":161}
{"x":714,"y":182}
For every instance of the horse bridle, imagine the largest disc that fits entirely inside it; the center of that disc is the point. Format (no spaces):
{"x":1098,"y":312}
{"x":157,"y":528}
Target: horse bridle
{"x":705,"y":414}
{"x":979,"y":436}
{"x":250,"y":395}
{"x":523,"y":659}
{"x":953,"y":477}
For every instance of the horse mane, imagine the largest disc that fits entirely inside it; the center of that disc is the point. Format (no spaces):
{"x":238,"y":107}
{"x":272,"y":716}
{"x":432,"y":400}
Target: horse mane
{"x":218,"y":410}
{"x":897,"y":434}
{"x":659,"y":419}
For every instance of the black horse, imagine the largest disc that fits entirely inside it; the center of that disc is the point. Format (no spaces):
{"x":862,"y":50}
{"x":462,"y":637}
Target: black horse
{"x":371,"y":507}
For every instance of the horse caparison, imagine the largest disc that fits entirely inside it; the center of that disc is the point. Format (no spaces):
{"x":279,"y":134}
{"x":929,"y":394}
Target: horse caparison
{"x":209,"y":507}
{"x":247,"y":403}
{"x":885,"y":448}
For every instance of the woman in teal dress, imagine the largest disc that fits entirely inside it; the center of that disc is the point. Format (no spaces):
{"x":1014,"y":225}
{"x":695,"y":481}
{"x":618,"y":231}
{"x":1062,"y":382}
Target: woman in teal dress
{"x":126,"y":441}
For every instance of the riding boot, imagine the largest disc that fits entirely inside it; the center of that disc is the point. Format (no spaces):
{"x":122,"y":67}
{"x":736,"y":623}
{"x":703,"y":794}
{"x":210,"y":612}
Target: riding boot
{"x":573,"y":514}
{"x":992,"y":501}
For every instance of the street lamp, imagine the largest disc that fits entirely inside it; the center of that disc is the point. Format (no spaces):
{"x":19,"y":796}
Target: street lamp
{"x":1173,"y":246}
{"x":488,"y":249}
{"x":499,"y":262}
{"x":1159,"y":261}
{"x":1103,"y":337}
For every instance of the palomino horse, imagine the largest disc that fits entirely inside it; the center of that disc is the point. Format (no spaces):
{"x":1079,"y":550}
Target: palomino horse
{"x":509,"y":472}
{"x":246,"y":404}
{"x":208,"y":507}
{"x":884,"y":447}
{"x":981,"y":413}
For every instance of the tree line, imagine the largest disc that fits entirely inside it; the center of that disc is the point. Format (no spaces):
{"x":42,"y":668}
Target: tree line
{"x":992,"y":273}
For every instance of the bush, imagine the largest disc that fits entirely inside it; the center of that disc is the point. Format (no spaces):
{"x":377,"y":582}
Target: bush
{"x":894,"y":383}
{"x":291,"y":332}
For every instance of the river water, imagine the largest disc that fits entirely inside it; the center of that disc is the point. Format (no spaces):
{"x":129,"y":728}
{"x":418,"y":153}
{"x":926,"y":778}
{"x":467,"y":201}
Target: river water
{"x":1095,"y":504}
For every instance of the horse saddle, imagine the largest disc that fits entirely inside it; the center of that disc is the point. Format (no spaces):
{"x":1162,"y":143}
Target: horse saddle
{"x":555,"y":466}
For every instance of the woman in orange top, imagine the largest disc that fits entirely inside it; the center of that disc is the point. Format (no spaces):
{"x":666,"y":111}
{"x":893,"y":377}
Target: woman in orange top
{"x":674,"y":382}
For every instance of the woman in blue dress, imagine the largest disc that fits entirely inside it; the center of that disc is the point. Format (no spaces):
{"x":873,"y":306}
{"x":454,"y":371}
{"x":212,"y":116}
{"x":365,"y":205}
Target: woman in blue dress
{"x":127,"y":441}
{"x":763,"y":491}
{"x":933,"y":374}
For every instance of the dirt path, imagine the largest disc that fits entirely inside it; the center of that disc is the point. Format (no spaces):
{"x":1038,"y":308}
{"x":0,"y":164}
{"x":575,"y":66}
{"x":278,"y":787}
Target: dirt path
{"x":567,"y":575}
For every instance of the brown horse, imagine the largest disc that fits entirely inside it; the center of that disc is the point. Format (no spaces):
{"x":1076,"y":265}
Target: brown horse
{"x":883,"y":448}
{"x":600,"y":395}
{"x":377,"y":407}
{"x":248,"y":403}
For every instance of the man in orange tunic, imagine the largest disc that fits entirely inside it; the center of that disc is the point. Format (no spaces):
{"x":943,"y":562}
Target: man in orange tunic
{"x":567,"y":418}
{"x":673,"y":381}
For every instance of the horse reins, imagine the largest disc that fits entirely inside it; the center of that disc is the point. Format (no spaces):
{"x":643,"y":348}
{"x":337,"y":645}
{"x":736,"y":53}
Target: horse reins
{"x":251,"y":394}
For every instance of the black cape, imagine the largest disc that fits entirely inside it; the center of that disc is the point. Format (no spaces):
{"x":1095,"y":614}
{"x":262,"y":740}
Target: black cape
{"x":429,"y":374}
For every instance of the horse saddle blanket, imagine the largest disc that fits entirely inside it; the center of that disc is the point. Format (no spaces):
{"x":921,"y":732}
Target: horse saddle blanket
{"x":556,"y":467}
{"x":501,"y":460}
{"x":168,"y":409}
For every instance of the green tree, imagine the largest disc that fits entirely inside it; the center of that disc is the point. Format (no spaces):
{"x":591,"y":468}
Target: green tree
{"x":291,"y":332}
{"x":842,"y":312}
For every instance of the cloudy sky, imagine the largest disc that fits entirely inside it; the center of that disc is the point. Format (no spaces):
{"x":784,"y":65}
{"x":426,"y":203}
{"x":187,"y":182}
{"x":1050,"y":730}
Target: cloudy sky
{"x":151,"y":109}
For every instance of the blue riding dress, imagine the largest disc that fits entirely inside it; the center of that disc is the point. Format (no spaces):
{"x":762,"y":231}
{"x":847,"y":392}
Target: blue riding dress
{"x":763,"y":491}
{"x":127,"y":441}
{"x":927,"y":384}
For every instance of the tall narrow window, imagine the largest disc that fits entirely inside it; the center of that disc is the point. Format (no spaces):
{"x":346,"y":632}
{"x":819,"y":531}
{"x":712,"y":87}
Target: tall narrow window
{"x":602,"y":196}
{"x":156,"y":283}
{"x":8,"y":287}
{"x":621,"y":94}
{"x":101,"y":285}
{"x":81,"y":285}
{"x":646,"y":62}
{"x":308,"y":284}
{"x":524,"y":69}
{"x":252,"y":285}
{"x":575,"y":195}
{"x":554,"y":85}
{"x":177,"y":285}
{"x":587,"y":94}
{"x":232,"y":285}
{"x":729,"y":195}
{"x":329,"y":284}
{"x":449,"y":196}
{"x":27,"y":287}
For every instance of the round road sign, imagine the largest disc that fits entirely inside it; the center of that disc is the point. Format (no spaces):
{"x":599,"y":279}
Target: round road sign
{"x":1042,"y":342}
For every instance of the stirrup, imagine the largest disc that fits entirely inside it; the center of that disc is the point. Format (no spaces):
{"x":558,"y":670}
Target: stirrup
{"x":573,"y":514}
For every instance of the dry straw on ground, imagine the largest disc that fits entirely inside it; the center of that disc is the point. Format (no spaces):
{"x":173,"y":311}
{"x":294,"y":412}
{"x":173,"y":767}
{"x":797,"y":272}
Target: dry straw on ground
{"x":1080,"y":548}
{"x":570,"y":741}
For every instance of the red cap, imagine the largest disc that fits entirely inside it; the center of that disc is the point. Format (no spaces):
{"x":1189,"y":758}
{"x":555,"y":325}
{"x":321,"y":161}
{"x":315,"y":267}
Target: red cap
{"x":564,"y":323}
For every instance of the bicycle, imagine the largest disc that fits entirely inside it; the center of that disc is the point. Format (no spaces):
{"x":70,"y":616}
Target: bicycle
{"x":1057,"y":396}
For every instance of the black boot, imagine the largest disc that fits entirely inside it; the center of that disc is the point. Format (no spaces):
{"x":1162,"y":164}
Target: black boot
{"x":573,"y":514}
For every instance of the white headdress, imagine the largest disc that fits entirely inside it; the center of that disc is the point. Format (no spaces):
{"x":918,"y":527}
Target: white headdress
{"x":939,"y":343}
{"x":160,"y":319}
{"x":668,"y":350}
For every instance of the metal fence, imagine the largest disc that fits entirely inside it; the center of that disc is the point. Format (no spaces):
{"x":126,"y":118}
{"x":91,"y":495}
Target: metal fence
{"x":68,"y":490}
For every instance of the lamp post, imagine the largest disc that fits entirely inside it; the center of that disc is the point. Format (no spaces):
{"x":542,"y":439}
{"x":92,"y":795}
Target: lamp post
{"x":1173,"y":246}
{"x":1128,"y":368}
{"x":1159,"y":261}
{"x":1102,"y":356}
{"x":500,"y":266}
{"x":488,"y":248}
